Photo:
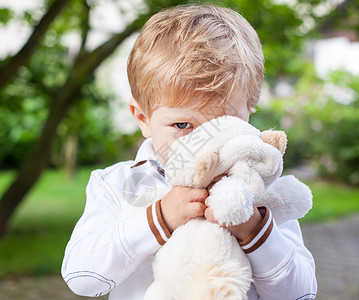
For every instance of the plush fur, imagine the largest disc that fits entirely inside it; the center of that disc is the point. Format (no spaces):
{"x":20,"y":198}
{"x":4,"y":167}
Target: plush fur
{"x":202,"y":260}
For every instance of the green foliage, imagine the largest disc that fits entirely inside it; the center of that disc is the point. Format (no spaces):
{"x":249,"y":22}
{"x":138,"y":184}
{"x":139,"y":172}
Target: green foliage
{"x":5,"y":15}
{"x":98,"y":141}
{"x":70,"y":20}
{"x":335,"y":128}
{"x":24,"y":103}
{"x":19,"y":122}
{"x":344,"y":17}
{"x":276,"y":26}
{"x":321,"y":122}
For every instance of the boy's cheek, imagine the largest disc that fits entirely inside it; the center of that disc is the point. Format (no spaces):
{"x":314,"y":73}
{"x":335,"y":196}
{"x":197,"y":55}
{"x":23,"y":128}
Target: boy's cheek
{"x":162,"y":151}
{"x":162,"y":145}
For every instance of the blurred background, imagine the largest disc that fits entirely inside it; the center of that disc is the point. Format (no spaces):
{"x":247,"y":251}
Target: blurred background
{"x":63,"y":113}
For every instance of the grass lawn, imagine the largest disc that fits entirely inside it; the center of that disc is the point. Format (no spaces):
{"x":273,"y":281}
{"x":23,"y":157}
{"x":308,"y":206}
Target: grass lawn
{"x":331,"y":201}
{"x":43,"y":224}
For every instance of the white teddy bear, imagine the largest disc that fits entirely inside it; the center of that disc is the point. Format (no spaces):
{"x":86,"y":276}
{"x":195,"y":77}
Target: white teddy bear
{"x":202,"y":260}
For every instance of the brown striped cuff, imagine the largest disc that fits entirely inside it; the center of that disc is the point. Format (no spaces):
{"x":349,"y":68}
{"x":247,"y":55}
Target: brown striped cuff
{"x":157,"y":224}
{"x":260,"y":235}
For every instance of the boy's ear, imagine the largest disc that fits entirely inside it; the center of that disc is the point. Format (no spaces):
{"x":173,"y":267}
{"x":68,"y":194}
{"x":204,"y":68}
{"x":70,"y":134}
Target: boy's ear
{"x":276,"y":138}
{"x":140,"y":118}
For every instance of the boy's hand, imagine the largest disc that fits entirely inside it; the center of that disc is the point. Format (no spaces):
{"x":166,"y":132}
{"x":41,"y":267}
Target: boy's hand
{"x":182,"y":204}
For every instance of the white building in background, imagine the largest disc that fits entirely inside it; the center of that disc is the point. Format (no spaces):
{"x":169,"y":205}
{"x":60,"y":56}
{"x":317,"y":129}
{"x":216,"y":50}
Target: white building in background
{"x":334,"y":54}
{"x":328,"y":55}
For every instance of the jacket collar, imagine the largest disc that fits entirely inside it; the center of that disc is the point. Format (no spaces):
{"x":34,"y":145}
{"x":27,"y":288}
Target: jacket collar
{"x":146,"y":151}
{"x":146,"y":155}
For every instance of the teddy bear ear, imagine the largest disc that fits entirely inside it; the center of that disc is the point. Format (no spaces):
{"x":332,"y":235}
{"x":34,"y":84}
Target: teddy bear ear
{"x":204,"y":168}
{"x":276,"y":138}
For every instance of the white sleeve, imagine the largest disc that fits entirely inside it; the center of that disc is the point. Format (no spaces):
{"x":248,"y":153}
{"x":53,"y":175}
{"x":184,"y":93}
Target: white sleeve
{"x":283,"y":268}
{"x":104,"y":249}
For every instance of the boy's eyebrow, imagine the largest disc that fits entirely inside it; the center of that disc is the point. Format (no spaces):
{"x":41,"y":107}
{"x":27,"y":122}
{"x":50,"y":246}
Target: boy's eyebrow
{"x":178,"y":117}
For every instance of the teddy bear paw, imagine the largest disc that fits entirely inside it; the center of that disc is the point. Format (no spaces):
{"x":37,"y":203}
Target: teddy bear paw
{"x":231,"y":200}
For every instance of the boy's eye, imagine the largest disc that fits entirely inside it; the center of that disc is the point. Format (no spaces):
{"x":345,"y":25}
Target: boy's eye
{"x":182,"y":125}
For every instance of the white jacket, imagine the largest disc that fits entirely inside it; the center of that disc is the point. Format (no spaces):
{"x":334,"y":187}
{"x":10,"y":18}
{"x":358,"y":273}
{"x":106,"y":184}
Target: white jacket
{"x":113,"y":244}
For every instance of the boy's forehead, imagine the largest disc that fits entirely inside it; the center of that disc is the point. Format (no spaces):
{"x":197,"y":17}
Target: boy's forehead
{"x":202,"y":105}
{"x":193,"y":106}
{"x":188,"y":113}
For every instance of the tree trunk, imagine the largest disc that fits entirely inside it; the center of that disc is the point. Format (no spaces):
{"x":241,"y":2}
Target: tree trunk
{"x":69,"y":155}
{"x":10,"y":68}
{"x":34,"y":164}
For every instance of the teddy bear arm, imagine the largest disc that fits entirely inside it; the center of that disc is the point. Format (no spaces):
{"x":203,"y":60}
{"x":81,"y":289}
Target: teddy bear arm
{"x":249,"y":176}
{"x":287,"y":198}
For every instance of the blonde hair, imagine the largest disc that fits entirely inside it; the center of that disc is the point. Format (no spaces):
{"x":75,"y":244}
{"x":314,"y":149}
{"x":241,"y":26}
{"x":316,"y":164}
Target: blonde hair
{"x":195,"y":52}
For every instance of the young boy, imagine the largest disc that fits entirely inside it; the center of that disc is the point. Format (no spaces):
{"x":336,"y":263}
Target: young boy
{"x":189,"y":64}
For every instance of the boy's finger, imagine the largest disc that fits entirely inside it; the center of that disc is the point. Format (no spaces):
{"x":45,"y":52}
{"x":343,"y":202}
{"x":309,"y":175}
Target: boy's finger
{"x":208,"y":214}
{"x":206,"y":202}
{"x":199,"y":195}
{"x":197,"y":209}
